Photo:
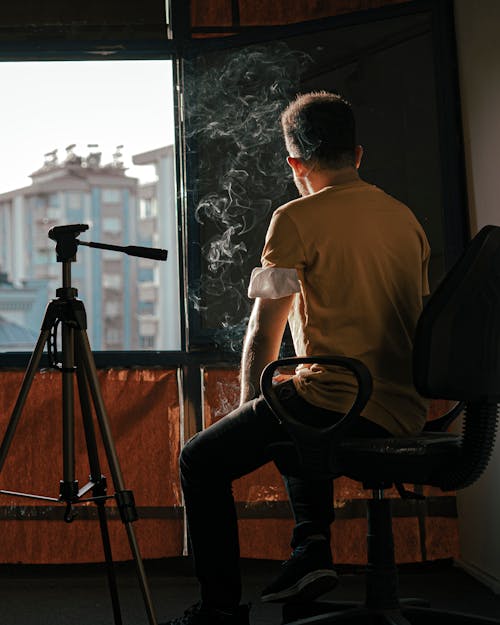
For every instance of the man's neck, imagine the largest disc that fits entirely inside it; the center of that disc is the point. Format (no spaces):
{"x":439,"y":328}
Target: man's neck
{"x":319,"y":179}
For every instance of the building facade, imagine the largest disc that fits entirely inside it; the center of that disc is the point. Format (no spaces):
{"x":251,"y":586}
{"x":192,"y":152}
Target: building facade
{"x":131,"y":303}
{"x":77,"y":190}
{"x":159,"y":288}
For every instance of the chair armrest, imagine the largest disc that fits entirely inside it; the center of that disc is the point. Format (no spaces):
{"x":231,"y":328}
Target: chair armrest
{"x":360,"y":371}
{"x":443,"y":423}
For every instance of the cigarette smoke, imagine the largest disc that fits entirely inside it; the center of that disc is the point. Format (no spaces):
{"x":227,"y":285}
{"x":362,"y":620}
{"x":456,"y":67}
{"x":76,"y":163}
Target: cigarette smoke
{"x":234,"y":140}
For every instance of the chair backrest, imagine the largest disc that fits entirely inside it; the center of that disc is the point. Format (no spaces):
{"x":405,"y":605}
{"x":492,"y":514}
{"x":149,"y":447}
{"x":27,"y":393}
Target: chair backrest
{"x":457,"y":340}
{"x":457,"y":353}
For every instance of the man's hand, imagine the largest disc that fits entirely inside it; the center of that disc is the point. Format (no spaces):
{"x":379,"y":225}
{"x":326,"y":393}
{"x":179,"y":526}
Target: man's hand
{"x":262,"y":342}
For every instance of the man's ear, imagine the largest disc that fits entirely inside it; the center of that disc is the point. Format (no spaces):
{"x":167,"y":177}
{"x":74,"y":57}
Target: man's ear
{"x":297,"y":165}
{"x":358,"y":155}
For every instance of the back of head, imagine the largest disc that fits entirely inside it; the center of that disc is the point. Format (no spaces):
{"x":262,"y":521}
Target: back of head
{"x":320,"y":127}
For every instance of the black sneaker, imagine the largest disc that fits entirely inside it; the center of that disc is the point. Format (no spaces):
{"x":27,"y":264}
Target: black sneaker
{"x":198,"y":614}
{"x":308,"y":574}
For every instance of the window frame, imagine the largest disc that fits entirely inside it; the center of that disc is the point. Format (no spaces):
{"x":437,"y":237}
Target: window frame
{"x":46,"y":47}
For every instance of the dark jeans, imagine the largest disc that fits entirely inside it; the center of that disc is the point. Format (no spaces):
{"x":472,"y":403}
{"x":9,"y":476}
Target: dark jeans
{"x":235,"y":446}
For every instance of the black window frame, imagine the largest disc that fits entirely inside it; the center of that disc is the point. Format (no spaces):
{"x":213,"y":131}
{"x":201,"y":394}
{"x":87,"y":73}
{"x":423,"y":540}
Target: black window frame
{"x":53,"y":44}
{"x":47,"y":45}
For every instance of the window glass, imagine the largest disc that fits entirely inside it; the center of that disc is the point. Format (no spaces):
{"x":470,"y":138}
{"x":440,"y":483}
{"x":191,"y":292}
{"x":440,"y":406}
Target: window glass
{"x":103,"y":157}
{"x":112,"y":281}
{"x":148,"y":207}
{"x":112,"y":308}
{"x":74,"y":200}
{"x":237,"y":173}
{"x":112,"y":225}
{"x":113,"y":336}
{"x":111,"y":196}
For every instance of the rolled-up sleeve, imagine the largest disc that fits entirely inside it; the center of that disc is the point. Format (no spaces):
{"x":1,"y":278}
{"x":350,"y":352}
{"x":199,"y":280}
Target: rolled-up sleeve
{"x":273,"y":282}
{"x":282,"y":260}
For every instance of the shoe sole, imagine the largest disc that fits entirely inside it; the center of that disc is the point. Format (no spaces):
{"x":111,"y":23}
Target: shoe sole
{"x":308,"y":588}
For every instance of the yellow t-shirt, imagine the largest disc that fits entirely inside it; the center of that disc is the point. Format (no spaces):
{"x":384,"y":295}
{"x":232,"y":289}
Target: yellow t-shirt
{"x":360,"y":257}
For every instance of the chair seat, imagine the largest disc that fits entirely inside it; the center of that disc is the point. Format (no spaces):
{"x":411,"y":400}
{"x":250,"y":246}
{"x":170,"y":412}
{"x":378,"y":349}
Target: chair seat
{"x":416,"y":459}
{"x":377,"y":461}
{"x":425,"y":443}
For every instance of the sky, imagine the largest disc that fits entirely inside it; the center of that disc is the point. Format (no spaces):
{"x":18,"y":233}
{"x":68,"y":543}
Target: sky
{"x":50,"y":105}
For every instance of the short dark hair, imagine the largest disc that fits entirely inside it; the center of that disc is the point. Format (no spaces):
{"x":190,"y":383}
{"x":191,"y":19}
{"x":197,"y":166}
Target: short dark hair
{"x":320,"y":126}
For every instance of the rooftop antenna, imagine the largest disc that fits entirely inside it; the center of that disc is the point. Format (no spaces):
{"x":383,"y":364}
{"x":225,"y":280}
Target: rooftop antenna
{"x":50,"y":158}
{"x":94,"y":158}
{"x":70,"y":153}
{"x":117,"y":156}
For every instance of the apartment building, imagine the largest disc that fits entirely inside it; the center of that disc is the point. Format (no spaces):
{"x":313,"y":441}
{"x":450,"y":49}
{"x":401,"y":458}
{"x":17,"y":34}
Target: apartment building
{"x":158,"y":284}
{"x":77,"y":190}
{"x":131,"y":303}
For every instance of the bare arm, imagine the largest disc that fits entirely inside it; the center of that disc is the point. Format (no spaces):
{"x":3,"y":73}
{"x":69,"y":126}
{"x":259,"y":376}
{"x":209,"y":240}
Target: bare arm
{"x":262,"y":341}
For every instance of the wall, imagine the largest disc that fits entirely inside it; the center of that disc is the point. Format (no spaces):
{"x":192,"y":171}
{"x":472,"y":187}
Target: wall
{"x":258,"y":12}
{"x":143,"y":413}
{"x":479,"y":70}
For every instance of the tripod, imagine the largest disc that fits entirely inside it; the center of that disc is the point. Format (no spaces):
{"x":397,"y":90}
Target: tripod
{"x":77,"y":361}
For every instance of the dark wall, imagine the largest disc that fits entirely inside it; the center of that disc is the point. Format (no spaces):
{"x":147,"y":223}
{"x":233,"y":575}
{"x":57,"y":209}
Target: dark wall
{"x":53,"y":12}
{"x":264,"y":13}
{"x":37,"y":21}
{"x":103,"y":18}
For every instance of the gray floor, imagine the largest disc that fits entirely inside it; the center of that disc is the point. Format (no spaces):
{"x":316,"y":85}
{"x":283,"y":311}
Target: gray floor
{"x":78,"y":595}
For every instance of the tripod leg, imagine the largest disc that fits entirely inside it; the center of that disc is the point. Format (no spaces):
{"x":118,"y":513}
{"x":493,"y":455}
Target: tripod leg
{"x":99,"y":489}
{"x":123,"y":496}
{"x":68,"y":486}
{"x":23,"y":393}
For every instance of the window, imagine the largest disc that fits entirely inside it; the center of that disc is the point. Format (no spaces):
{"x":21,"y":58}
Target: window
{"x":112,"y":281}
{"x":111,"y":225}
{"x":53,"y":213}
{"x":104,"y":158}
{"x":146,"y":274}
{"x":41,"y":257}
{"x":74,"y":200}
{"x":111,"y":196}
{"x":237,"y":175}
{"x":147,"y":342}
{"x":115,"y":137}
{"x":112,"y":308}
{"x":146,"y":308}
{"x":113,"y":336}
{"x":148,"y":208}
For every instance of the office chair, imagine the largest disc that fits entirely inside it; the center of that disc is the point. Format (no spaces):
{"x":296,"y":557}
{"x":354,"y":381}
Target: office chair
{"x":456,"y":356}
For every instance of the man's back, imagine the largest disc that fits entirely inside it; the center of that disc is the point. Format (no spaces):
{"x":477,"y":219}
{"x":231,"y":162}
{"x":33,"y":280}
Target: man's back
{"x":361,"y":258}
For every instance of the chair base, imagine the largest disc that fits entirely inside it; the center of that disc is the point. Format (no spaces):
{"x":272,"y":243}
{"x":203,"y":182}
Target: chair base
{"x":410,"y":612}
{"x":382,"y":605}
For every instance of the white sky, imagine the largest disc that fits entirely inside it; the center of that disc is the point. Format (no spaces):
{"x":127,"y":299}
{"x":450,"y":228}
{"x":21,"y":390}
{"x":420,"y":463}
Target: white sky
{"x":49,"y":105}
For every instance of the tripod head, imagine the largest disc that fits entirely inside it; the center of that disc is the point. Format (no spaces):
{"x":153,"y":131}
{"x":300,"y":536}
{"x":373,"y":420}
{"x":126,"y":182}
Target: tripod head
{"x":66,"y":241}
{"x":67,"y":244}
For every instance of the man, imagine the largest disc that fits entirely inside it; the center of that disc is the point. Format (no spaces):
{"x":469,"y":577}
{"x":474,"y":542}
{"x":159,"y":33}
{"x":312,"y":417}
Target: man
{"x":346,"y":265}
